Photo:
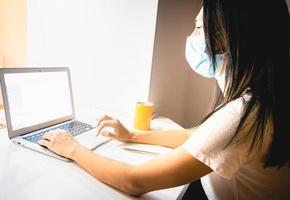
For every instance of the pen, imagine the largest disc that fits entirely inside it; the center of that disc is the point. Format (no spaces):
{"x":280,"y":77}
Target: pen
{"x":140,"y":151}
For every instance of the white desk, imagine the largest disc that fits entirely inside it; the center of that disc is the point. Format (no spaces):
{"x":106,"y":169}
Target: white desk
{"x":29,"y":175}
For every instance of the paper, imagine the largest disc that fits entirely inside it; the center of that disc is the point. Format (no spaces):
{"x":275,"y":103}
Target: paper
{"x":146,"y":148}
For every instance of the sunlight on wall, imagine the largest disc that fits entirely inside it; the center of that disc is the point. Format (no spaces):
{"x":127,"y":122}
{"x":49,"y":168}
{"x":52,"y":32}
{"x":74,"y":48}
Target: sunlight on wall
{"x":12,"y":34}
{"x":108,"y":46}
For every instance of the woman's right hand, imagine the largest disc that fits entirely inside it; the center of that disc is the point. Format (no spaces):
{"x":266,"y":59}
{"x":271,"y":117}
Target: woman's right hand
{"x":120,"y":132}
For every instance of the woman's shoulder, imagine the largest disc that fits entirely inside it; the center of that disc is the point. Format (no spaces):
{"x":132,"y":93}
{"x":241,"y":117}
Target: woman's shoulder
{"x":238,"y":105}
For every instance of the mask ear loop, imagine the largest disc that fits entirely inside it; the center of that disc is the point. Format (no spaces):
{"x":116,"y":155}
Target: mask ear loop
{"x":222,"y":65}
{"x":221,"y":75}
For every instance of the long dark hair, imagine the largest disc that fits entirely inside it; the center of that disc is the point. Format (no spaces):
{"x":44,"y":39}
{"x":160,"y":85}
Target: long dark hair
{"x":254,"y":34}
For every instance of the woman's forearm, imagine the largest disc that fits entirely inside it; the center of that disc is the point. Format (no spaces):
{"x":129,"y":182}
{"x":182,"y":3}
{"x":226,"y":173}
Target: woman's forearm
{"x":169,"y":138}
{"x":114,"y":173}
{"x":164,"y":171}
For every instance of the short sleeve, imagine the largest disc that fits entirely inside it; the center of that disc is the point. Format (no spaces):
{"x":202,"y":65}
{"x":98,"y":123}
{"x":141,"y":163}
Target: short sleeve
{"x":209,"y":143}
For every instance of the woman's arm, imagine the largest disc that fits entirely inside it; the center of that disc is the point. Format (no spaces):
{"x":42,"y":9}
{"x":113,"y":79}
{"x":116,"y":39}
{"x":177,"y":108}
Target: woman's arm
{"x":173,"y":169}
{"x":169,"y":138}
{"x":169,"y":170}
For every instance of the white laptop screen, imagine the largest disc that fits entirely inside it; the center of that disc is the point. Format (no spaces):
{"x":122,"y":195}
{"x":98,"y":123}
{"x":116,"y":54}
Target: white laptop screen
{"x":37,"y":97}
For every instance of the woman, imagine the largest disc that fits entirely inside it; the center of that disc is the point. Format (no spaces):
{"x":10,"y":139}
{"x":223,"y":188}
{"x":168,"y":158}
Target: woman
{"x":242,"y":149}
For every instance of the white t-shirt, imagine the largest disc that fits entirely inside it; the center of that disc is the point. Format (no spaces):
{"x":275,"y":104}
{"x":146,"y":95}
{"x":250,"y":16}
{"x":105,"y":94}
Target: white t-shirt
{"x":236,"y":175}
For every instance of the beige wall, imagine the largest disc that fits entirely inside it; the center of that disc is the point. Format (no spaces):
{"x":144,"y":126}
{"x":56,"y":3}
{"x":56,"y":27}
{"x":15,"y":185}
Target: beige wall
{"x":178,"y":92}
{"x":1,"y":30}
{"x":13,"y":33}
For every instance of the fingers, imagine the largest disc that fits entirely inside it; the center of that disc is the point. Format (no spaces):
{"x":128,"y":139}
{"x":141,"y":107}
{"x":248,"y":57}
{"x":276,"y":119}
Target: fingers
{"x":105,"y":117}
{"x":51,"y":135}
{"x":45,"y":143}
{"x":48,"y":137}
{"x":111,"y":135}
{"x":107,"y":134}
{"x":113,"y":123}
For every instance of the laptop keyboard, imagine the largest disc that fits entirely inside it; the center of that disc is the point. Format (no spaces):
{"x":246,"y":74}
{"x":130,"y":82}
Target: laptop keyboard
{"x":74,"y":127}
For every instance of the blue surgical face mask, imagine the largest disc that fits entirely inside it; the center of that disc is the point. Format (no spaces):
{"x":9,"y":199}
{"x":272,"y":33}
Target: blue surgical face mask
{"x":198,"y":59}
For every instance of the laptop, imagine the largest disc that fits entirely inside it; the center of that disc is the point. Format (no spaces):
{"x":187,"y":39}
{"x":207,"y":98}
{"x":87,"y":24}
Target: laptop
{"x":37,"y":100}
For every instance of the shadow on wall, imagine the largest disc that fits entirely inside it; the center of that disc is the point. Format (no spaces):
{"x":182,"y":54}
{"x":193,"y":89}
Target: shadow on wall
{"x":177,"y":91}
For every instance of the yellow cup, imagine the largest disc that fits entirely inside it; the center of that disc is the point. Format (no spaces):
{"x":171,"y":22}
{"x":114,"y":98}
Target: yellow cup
{"x":143,"y":115}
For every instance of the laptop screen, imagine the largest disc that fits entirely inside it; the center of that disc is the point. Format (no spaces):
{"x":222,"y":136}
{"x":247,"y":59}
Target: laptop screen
{"x":37,"y":97}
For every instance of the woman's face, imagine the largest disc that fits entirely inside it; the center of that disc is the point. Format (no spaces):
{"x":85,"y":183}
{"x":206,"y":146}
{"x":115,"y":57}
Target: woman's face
{"x":198,"y":24}
{"x":200,"y":31}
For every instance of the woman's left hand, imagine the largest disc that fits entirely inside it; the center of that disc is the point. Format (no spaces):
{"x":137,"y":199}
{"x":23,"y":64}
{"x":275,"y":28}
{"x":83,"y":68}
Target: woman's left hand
{"x":60,"y":142}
